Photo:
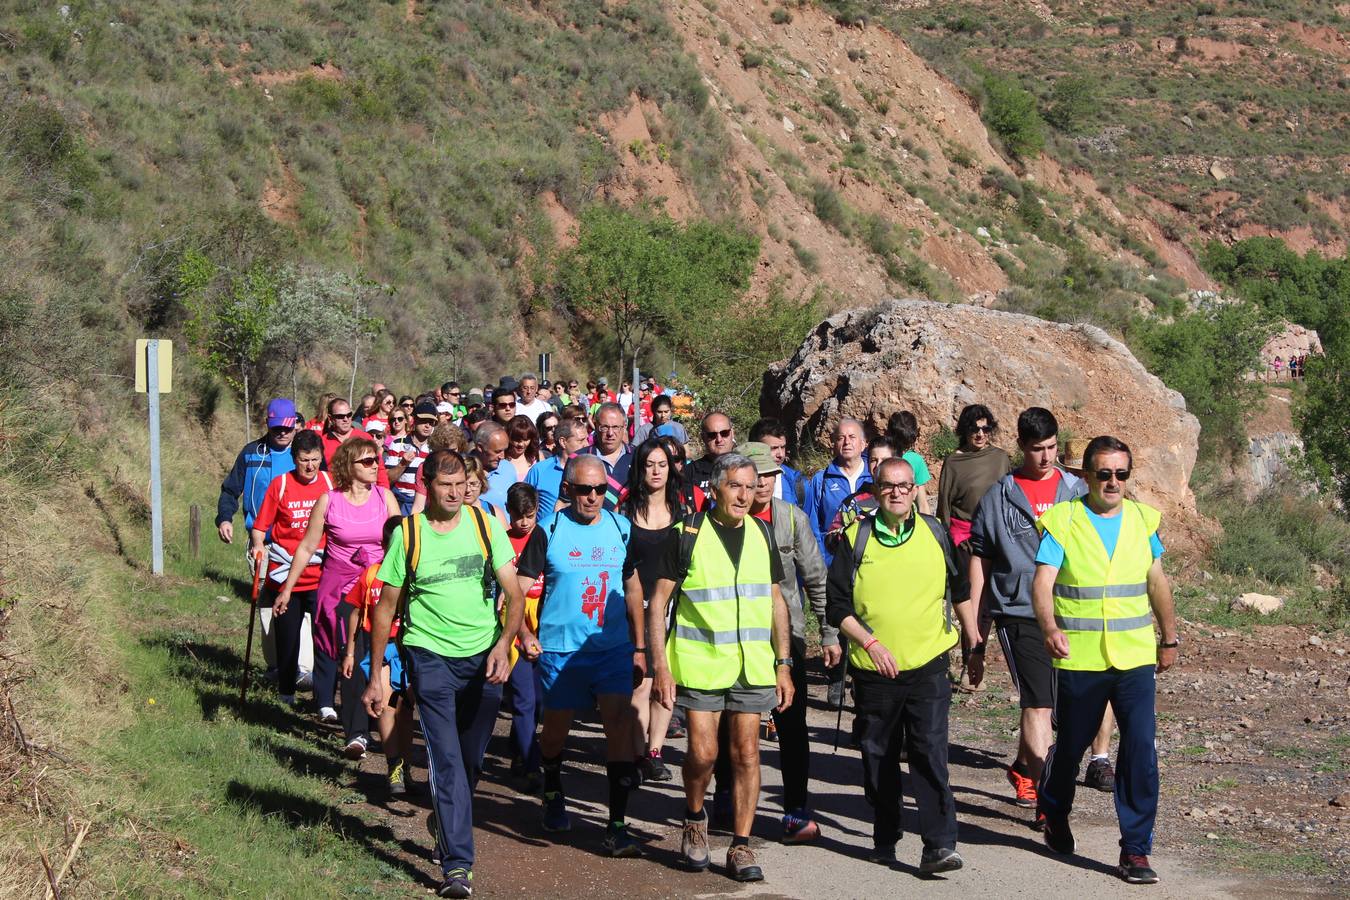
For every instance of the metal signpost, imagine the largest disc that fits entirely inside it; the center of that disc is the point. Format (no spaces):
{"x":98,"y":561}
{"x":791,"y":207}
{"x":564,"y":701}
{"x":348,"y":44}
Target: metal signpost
{"x":154,"y":376}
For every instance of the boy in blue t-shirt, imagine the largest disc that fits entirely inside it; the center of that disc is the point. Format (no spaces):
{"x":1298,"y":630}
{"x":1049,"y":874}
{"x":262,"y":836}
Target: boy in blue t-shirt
{"x":590,"y":629}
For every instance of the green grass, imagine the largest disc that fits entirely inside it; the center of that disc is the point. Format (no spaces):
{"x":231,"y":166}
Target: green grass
{"x":1253,"y":858}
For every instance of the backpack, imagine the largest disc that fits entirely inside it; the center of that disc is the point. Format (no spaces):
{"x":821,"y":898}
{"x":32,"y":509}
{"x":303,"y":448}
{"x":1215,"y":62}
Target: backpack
{"x":944,"y":540}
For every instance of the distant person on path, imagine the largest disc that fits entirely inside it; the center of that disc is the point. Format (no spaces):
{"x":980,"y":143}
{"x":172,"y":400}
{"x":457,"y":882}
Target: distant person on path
{"x":967,"y":473}
{"x":719,"y":439}
{"x":789,"y":484}
{"x":728,"y":654}
{"x":351,"y":519}
{"x":409,"y":453}
{"x":1003,"y":543}
{"x":524,"y":692}
{"x":611,"y":448}
{"x":457,"y":649}
{"x":592,"y":639}
{"x":491,"y":441}
{"x":529,"y":403}
{"x":338,"y":429}
{"x":1098,"y":576}
{"x":663,"y":419}
{"x":546,"y":476}
{"x":903,"y":428}
{"x":890,"y":594}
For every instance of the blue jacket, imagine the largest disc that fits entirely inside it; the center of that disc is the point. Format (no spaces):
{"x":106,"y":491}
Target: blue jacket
{"x":255,"y":467}
{"x":793,"y":485}
{"x":827,"y":491}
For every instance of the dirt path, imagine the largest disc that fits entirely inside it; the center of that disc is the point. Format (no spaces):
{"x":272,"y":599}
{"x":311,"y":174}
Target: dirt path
{"x":1004,"y":857}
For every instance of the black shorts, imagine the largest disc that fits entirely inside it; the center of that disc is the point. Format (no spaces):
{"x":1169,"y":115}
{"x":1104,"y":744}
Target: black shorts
{"x":1028,"y":662}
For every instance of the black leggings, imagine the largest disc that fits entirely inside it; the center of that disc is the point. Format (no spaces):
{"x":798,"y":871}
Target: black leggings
{"x":286,"y":630}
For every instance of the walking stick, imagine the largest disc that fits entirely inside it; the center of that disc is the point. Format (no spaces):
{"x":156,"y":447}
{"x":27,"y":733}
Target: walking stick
{"x":258,"y":567}
{"x":839,"y":720}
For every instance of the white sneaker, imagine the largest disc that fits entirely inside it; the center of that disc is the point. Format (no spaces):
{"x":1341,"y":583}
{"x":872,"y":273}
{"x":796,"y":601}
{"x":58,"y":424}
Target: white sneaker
{"x":328,"y":715}
{"x":356,"y":748}
{"x":305,"y":682}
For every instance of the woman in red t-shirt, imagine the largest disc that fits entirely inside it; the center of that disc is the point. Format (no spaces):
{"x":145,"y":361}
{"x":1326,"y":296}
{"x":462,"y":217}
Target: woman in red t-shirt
{"x":285,"y":514}
{"x":395,"y":723}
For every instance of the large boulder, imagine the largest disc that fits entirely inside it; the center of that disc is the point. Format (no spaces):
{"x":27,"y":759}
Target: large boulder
{"x":933,"y":359}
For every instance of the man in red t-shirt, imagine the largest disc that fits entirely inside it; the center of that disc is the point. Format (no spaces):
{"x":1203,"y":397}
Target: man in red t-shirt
{"x":339,"y":429}
{"x":278,"y":529}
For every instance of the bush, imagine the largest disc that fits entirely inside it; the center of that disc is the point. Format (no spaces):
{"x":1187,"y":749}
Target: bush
{"x":1073,"y":101}
{"x":751,"y":59}
{"x":780,"y":16}
{"x":1011,"y":113}
{"x":944,"y":443}
{"x":828,"y":206}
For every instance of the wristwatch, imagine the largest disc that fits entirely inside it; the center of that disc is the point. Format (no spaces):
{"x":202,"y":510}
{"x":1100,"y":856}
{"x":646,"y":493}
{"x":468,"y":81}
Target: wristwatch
{"x":978,"y":649}
{"x":1170,"y":645}
{"x":785,"y":661}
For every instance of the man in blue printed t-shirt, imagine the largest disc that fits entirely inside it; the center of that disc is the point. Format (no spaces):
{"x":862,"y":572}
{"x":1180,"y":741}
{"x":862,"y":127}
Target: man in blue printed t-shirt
{"x":590,"y":629}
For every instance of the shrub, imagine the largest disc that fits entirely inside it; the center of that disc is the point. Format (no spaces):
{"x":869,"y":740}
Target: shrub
{"x":1011,"y":112}
{"x":943,"y":443}
{"x":1073,"y":100}
{"x":751,"y":59}
{"x":780,"y":16}
{"x":828,"y":206}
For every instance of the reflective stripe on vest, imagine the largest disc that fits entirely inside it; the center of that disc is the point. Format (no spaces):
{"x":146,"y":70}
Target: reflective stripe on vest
{"x":1101,"y":603}
{"x":900,"y":593}
{"x":724,"y":615}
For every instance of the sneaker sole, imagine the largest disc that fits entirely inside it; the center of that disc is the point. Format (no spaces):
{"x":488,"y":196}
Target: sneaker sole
{"x":630,"y":852}
{"x":1135,"y":880}
{"x":1073,"y":846}
{"x":1108,"y":788}
{"x":804,"y":835}
{"x":950,"y":864}
{"x":748,"y":874}
{"x":1025,"y":804}
{"x":696,"y":866}
{"x":557,"y":829}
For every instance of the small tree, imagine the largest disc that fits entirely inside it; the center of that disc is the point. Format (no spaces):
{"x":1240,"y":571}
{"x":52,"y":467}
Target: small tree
{"x":1321,"y":413}
{"x":311,"y":314}
{"x":455,"y":331}
{"x":1073,"y":100}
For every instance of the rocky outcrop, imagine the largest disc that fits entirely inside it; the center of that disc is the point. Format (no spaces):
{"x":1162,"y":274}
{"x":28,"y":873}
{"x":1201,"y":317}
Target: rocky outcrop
{"x":933,"y":359}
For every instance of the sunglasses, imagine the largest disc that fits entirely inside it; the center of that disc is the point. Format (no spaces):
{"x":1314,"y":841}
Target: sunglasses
{"x":586,"y":490}
{"x":345,"y":415}
{"x":509,"y":405}
{"x":399,"y":420}
{"x":893,"y":487}
{"x":713,"y":435}
{"x":367,"y":460}
{"x":1106,"y":474}
{"x":408,"y":404}
{"x":453,"y":394}
{"x":983,"y":429}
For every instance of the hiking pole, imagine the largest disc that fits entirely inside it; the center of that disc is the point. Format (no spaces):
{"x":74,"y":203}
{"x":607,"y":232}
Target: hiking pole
{"x":257,"y":557}
{"x":839,"y":720}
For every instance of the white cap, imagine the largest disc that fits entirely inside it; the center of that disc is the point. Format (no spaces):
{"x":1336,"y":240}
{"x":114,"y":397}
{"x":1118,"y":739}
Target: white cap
{"x":444,"y":407}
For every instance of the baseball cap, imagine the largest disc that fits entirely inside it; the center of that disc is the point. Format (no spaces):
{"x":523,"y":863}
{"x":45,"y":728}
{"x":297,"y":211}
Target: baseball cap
{"x":445,"y":407}
{"x":281,"y":414}
{"x":426,"y":409}
{"x":475,"y":398}
{"x":375,"y":425}
{"x":603,"y":380}
{"x":760,"y":454}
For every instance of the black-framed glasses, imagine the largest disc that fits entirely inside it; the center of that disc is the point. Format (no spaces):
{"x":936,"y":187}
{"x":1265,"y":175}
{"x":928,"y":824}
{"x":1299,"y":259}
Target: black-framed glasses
{"x":586,"y":490}
{"x":893,"y":487}
{"x":1106,"y":474}
{"x":452,"y":394}
{"x":345,"y":415}
{"x":398,"y":420}
{"x":983,"y":429}
{"x":713,"y":435}
{"x":510,"y":404}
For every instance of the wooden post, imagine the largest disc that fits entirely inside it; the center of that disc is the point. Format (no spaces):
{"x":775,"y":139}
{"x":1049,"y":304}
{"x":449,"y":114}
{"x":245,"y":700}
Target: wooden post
{"x":195,"y":531}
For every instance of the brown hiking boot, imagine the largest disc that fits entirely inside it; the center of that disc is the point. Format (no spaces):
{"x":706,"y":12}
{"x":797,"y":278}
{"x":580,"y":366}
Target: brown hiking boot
{"x":741,"y":864}
{"x":694,"y":843}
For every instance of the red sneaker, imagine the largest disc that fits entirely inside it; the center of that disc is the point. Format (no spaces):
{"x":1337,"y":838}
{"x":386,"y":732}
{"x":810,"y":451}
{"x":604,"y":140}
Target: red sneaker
{"x":1023,"y":787}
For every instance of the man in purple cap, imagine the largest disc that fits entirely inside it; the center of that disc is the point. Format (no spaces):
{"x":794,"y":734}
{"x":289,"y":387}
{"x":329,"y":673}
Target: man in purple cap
{"x":257,"y":464}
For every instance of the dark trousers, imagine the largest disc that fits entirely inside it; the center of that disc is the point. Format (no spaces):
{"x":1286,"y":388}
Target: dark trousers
{"x":525,"y":688}
{"x":910,"y":711}
{"x":327,"y":681}
{"x":1080,"y":700}
{"x":794,"y":745}
{"x":457,"y":706}
{"x":286,"y":628}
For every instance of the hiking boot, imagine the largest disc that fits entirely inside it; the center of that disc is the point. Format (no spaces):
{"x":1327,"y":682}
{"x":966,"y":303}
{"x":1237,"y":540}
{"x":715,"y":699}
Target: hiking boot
{"x":397,"y":785}
{"x":1134,"y":868}
{"x":1024,"y":788}
{"x":328,"y":716}
{"x":1058,"y":836}
{"x":651,"y":768}
{"x":741,"y":864}
{"x":723,"y":811}
{"x":937,"y":860}
{"x":834,"y":697}
{"x":356,"y":748}
{"x":555,"y":813}
{"x":694,"y":843}
{"x":798,"y":828}
{"x":457,"y":883}
{"x":1100,"y":776}
{"x":883,"y":855}
{"x":619,"y":843}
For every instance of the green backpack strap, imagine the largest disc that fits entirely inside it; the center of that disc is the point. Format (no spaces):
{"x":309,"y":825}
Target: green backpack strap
{"x":412,"y":545}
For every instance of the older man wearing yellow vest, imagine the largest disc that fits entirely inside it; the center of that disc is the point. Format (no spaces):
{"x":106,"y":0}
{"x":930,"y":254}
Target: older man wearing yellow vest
{"x":889,"y":590}
{"x":728,"y":654}
{"x":1098,"y":573}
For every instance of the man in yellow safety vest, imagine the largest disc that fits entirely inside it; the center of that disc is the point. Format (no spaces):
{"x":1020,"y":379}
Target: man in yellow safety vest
{"x":728,"y":654}
{"x":1098,"y":574}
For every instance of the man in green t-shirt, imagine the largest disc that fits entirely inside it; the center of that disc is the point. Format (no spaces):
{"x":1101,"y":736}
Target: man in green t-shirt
{"x":456,"y":650}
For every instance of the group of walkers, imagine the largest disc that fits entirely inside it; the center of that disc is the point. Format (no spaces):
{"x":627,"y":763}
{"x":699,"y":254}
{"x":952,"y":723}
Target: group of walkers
{"x":534,"y":549}
{"x":1293,"y":368}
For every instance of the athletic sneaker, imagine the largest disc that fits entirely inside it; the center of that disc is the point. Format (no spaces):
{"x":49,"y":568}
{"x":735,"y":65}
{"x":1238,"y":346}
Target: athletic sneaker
{"x":1023,"y":787}
{"x":694,"y":843}
{"x":619,"y":843}
{"x":937,"y":860}
{"x":397,"y":786}
{"x":457,"y":883}
{"x":741,"y":865}
{"x":883,"y":856}
{"x":834,"y":697}
{"x":356,"y":748}
{"x":1039,"y":824}
{"x":675,"y":729}
{"x":555,"y":813}
{"x":328,"y":716}
{"x":651,"y":768}
{"x":1134,"y":868}
{"x":1100,"y":776}
{"x":1058,"y":836}
{"x":304,"y":681}
{"x":798,"y":828}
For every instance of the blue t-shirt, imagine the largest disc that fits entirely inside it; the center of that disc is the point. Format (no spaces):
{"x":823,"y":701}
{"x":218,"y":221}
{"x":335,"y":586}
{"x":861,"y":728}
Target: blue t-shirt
{"x":1108,"y":529}
{"x":546,"y":478}
{"x":583,"y":606}
{"x":499,"y":482}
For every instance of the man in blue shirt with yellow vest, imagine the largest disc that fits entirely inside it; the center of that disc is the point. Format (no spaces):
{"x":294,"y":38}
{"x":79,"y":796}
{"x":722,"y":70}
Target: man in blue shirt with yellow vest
{"x":1098,"y":574}
{"x":892,"y":597}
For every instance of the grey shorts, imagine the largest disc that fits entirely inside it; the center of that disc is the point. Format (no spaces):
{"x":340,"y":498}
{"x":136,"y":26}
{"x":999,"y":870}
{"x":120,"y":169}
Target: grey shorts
{"x":737,"y":698}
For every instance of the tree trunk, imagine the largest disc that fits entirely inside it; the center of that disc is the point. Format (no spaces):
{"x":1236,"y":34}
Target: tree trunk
{"x":248,"y":410}
{"x":356,"y":355}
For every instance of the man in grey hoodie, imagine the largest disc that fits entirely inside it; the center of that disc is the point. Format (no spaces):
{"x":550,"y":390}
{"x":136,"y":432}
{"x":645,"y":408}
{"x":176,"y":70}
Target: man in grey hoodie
{"x":1003,"y":542}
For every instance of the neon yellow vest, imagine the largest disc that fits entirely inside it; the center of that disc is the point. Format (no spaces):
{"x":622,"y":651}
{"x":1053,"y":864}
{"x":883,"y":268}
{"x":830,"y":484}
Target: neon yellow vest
{"x":724,"y":615}
{"x":900,"y":593}
{"x":1101,"y":603}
